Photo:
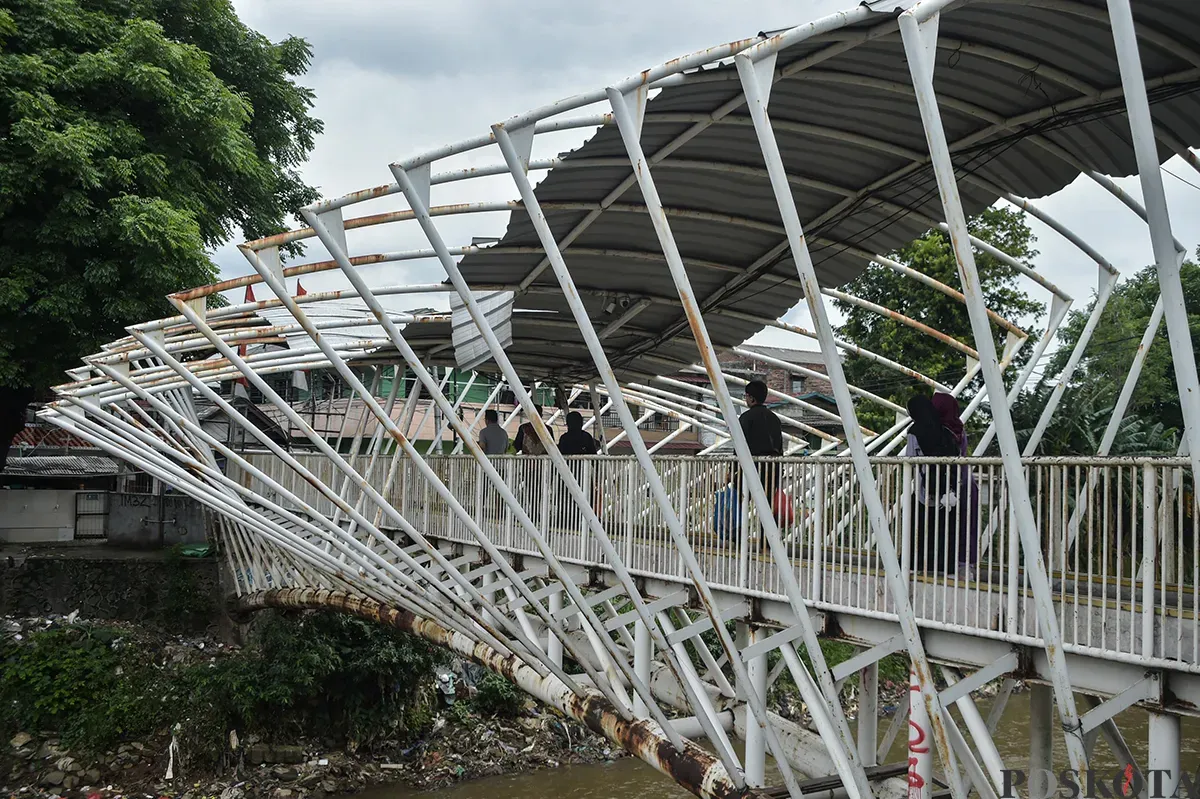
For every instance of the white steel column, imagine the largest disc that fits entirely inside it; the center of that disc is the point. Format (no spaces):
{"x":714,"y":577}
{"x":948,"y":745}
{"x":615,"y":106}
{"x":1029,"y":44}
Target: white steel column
{"x":755,"y":702}
{"x":332,"y":237}
{"x":1041,"y":737}
{"x":1167,"y":259}
{"x":854,"y":778}
{"x":643,"y":649}
{"x":756,"y":750}
{"x":1164,"y":766}
{"x":554,"y":646}
{"x":418,"y":201}
{"x":868,"y":710}
{"x":920,"y":41}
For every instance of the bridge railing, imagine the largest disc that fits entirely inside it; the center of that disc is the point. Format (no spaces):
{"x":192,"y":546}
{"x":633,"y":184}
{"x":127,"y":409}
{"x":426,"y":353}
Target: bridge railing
{"x":1119,"y":537}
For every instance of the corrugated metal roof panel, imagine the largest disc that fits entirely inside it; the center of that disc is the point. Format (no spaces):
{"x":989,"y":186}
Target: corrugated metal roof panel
{"x":60,"y":465}
{"x":848,"y":127}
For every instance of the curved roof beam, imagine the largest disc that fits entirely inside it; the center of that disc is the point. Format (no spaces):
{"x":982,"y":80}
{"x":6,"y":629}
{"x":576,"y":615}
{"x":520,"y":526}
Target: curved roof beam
{"x":726,"y":108}
{"x":733,"y":314}
{"x":842,"y":345}
{"x":1147,"y":32}
{"x":839,"y":295}
{"x":799,"y":369}
{"x":707,"y":391}
{"x":647,"y":393}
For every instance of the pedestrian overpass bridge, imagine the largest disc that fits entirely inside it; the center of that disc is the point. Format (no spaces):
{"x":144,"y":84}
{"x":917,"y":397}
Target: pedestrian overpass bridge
{"x":657,"y":599}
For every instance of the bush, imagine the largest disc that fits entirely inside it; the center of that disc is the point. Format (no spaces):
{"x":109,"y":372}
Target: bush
{"x":91,"y":684}
{"x":312,"y":673}
{"x":348,"y":678}
{"x":496,"y":696}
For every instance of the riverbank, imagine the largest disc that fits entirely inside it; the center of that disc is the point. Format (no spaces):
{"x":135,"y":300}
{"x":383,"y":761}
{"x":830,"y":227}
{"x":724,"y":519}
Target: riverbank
{"x":314,"y":705}
{"x":181,"y":751}
{"x":458,"y":750}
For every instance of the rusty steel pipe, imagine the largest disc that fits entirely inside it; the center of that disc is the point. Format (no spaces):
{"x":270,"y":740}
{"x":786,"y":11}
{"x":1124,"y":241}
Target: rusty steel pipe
{"x":692,"y":767}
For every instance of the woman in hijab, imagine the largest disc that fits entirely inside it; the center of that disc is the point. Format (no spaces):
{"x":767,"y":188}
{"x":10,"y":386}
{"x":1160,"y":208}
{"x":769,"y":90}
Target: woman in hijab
{"x":968,"y":490}
{"x":936,"y":497}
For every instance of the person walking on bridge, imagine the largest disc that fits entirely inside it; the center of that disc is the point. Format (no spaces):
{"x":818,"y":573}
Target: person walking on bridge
{"x":763,"y":432}
{"x":936,"y":501}
{"x":764,"y":437}
{"x":577,"y":441}
{"x":968,"y":489}
{"x":493,"y":438}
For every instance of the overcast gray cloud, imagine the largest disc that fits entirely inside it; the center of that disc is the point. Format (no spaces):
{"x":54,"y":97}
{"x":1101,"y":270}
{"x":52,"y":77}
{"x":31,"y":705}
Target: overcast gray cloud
{"x":393,"y":78}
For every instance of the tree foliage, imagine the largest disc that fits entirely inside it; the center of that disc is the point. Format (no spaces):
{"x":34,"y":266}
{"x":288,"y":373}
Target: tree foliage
{"x":933,"y":255}
{"x":134,"y":135}
{"x":1154,"y":416}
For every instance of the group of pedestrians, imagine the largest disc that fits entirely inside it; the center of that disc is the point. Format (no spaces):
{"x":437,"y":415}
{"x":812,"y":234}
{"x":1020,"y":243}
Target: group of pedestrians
{"x":945,"y":504}
{"x":493,"y":438}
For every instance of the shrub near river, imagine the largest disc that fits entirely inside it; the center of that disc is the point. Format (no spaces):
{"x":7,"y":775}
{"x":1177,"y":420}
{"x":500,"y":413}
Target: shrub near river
{"x":92,"y":687}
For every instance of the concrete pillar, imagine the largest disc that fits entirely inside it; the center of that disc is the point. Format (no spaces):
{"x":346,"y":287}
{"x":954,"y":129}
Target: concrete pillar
{"x":1041,"y":738}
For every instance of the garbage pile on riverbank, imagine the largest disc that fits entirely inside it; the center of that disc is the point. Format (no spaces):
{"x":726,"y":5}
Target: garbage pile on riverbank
{"x":438,"y":745}
{"x":459,"y":749}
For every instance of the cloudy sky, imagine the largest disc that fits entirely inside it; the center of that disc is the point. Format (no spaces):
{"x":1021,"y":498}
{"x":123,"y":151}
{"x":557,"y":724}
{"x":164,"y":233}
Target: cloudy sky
{"x":396,"y":77}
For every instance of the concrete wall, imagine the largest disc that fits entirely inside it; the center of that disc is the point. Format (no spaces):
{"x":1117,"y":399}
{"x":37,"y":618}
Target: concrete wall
{"x":145,"y":587}
{"x":133,"y":520}
{"x":37,"y":515}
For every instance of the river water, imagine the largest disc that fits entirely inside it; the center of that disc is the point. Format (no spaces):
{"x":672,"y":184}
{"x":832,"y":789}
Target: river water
{"x":632,"y":778}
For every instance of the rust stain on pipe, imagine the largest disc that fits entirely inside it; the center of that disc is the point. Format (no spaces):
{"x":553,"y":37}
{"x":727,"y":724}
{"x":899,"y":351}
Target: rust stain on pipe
{"x":693,"y":768}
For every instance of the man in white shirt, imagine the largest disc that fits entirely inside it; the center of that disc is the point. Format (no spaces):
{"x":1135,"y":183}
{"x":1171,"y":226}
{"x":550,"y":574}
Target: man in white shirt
{"x":492,"y":437}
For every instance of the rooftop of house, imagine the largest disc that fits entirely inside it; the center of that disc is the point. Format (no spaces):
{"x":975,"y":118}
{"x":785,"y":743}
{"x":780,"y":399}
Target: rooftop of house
{"x":805,"y":357}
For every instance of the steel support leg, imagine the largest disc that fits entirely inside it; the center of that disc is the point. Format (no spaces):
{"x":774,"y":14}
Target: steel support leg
{"x":1167,"y":259}
{"x":554,"y":646}
{"x":1164,"y":765}
{"x":920,"y":41}
{"x":980,"y":734}
{"x":755,"y":83}
{"x":643,"y":649}
{"x":868,"y":713}
{"x":756,"y":749}
{"x":1041,"y":738}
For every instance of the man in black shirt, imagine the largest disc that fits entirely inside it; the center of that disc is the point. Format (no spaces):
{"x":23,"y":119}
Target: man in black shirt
{"x":760,"y":425}
{"x":575,"y":441}
{"x":764,"y":433}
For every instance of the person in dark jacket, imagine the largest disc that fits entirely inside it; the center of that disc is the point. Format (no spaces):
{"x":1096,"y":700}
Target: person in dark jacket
{"x":935,"y":500}
{"x":575,"y":441}
{"x":763,"y":432}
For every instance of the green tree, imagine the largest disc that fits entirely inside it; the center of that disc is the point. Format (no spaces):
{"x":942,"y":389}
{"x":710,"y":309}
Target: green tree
{"x":134,"y":136}
{"x":932,"y":255}
{"x":1154,"y":416}
{"x":1110,"y":353}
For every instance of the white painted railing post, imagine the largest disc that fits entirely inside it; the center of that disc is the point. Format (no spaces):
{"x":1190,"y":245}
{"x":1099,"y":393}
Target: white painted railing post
{"x":1149,"y":555}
